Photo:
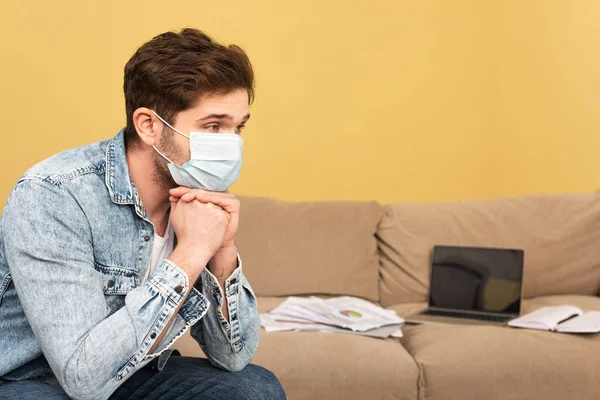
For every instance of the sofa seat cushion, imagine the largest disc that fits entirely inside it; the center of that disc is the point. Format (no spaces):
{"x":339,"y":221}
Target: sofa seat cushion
{"x":314,"y":365}
{"x":486,"y":362}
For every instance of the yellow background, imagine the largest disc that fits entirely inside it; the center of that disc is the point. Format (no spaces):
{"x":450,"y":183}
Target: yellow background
{"x":390,"y":100}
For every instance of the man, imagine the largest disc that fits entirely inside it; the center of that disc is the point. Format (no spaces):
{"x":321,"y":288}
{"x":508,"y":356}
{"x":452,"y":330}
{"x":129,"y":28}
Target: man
{"x":110,"y":252}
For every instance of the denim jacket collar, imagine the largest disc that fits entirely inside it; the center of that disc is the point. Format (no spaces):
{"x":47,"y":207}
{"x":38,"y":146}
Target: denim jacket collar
{"x":118,"y":181}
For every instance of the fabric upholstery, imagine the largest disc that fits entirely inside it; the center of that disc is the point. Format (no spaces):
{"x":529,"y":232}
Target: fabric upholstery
{"x":310,"y":247}
{"x":486,"y":362}
{"x":559,"y":233}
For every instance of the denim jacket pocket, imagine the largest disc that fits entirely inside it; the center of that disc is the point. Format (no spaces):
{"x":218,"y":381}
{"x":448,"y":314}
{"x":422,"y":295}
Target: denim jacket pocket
{"x":116,"y":283}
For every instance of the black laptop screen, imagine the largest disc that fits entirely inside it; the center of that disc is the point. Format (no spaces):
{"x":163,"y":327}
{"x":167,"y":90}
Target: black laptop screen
{"x":476,"y":279}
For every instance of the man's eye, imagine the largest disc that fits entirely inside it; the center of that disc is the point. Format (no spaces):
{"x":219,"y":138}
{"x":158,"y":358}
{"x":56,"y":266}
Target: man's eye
{"x":240,"y":128}
{"x":212,"y":128}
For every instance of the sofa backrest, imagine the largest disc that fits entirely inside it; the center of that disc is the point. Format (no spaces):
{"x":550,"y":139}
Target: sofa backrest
{"x":559,"y":233}
{"x":310,"y":247}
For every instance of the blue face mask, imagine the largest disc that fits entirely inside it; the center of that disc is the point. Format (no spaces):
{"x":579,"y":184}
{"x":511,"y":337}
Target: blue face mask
{"x":215,"y":163}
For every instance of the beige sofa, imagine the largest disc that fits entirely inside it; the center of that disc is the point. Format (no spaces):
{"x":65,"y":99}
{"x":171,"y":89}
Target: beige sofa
{"x":381,"y":253}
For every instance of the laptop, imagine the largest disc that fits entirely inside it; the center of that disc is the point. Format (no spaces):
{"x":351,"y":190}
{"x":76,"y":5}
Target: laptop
{"x":473,"y":285}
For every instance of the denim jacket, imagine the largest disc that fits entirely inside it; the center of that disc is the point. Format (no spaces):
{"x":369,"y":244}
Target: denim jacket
{"x":75,"y":242}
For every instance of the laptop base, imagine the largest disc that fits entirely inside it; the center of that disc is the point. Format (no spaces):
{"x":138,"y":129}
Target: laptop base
{"x":419,"y":319}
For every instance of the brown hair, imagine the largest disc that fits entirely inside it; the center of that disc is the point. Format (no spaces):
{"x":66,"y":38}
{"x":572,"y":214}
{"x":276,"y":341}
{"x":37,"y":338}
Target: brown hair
{"x":170,"y":72}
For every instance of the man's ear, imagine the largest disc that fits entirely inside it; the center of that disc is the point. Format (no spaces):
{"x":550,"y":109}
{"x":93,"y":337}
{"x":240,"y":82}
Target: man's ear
{"x":147,"y":126}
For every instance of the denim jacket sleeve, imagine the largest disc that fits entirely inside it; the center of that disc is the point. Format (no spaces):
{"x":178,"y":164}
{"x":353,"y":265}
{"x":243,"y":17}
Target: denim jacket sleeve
{"x":229,"y":345}
{"x":91,"y":351}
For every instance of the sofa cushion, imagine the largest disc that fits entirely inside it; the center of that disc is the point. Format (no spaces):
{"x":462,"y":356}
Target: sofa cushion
{"x":559,"y":233}
{"x":310,"y":247}
{"x":314,"y":365}
{"x":407,"y":309}
{"x":485,"y":362}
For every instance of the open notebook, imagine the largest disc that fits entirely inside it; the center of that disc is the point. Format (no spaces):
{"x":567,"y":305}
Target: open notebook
{"x":566,"y":319}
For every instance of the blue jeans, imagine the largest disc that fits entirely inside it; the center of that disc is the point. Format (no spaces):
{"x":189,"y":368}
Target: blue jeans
{"x":30,"y":390}
{"x":183,"y":378}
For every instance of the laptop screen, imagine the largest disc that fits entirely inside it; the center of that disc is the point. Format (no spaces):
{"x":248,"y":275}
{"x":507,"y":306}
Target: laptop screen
{"x":476,"y":279}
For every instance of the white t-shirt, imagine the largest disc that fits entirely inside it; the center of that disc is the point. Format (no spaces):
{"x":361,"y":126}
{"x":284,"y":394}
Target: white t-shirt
{"x":162,"y":248}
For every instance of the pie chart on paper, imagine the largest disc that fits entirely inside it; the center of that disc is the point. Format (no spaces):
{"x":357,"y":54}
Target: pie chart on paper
{"x":350,"y":313}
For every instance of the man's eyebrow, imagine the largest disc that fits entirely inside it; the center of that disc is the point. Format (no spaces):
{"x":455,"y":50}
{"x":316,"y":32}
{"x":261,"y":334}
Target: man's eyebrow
{"x":222,"y":116}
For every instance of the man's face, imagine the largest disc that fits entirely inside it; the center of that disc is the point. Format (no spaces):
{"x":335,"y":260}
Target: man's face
{"x":213,"y":113}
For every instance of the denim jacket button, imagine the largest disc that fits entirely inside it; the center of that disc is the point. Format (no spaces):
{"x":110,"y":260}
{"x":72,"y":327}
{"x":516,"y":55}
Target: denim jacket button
{"x":110,"y":283}
{"x":178,"y":289}
{"x":153,"y":335}
{"x":146,"y":238}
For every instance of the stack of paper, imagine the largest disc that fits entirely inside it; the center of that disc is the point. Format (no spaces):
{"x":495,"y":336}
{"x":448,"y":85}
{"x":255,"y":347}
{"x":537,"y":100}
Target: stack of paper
{"x":339,"y":314}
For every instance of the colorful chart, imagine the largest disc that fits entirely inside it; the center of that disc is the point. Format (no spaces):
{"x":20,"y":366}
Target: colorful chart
{"x":350,"y":313}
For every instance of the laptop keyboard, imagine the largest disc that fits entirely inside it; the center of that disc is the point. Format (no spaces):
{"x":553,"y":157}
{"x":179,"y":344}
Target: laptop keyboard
{"x":467,"y":315}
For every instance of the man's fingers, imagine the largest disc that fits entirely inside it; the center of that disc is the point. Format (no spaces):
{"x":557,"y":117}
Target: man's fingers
{"x":230,"y":204}
{"x":182,"y":190}
{"x":225,"y":200}
{"x":225,"y":194}
{"x":179,"y":191}
{"x":189,"y":196}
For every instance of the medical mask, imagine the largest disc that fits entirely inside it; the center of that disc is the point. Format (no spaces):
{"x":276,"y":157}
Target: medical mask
{"x":215,"y":163}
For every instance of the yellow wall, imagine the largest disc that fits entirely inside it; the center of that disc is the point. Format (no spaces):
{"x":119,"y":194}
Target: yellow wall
{"x":391,"y":100}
